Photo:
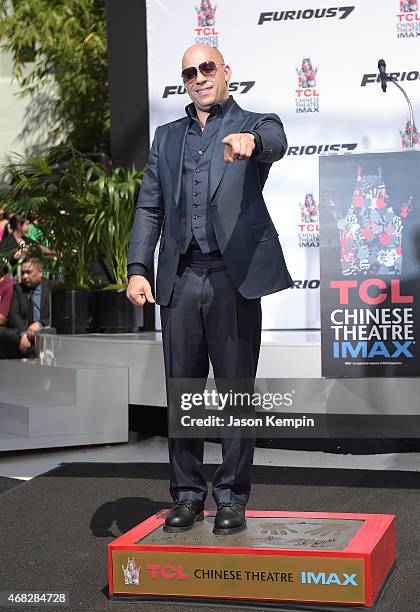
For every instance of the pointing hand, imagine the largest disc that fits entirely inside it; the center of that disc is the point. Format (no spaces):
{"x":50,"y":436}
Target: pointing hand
{"x":238,"y":146}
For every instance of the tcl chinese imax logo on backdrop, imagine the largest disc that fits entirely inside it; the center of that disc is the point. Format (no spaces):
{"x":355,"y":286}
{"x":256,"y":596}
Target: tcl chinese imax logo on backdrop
{"x":307,"y":100}
{"x":340,"y":12}
{"x":308,"y":228}
{"x":406,"y":136}
{"x":408,"y":19}
{"x":205,"y":31}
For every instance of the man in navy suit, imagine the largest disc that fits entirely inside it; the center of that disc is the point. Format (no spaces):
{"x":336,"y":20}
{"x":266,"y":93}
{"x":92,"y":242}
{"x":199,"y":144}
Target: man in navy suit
{"x":219,"y":254}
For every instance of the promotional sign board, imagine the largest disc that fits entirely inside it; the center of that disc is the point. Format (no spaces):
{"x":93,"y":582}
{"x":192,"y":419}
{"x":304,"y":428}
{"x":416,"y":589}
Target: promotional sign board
{"x":370,"y":264}
{"x":281,"y":556}
{"x":315,"y":66}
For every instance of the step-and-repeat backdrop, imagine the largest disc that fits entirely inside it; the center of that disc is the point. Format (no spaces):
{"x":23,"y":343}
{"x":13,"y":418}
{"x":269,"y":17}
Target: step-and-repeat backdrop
{"x":313,"y":63}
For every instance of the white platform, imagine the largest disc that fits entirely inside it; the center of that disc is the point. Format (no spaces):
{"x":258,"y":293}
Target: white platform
{"x":284,"y":354}
{"x":61,"y":403}
{"x":78,"y":391}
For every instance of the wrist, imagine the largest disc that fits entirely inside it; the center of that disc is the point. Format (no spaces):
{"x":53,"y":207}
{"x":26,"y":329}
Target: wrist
{"x":257,"y":142}
{"x":137,"y":268}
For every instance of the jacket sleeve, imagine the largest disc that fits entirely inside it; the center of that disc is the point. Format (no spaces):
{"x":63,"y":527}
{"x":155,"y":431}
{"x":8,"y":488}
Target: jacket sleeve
{"x":45,"y":302}
{"x":272,"y":142}
{"x":137,"y":268}
{"x":149,"y":214}
{"x":5,"y":300}
{"x":15,"y":318}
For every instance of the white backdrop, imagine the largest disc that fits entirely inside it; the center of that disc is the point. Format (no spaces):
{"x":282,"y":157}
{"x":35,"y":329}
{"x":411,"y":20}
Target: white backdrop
{"x":335,"y":101}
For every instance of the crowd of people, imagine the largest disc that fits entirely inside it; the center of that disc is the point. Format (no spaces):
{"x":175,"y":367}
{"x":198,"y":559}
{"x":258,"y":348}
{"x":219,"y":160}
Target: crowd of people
{"x":24,"y":289}
{"x":19,"y":236}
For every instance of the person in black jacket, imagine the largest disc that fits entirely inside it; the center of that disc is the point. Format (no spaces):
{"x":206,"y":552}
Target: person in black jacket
{"x":29,"y":312}
{"x":219,"y":253}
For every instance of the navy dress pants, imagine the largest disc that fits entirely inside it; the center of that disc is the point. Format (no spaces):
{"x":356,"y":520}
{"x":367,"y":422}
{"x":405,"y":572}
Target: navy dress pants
{"x":207,"y":318}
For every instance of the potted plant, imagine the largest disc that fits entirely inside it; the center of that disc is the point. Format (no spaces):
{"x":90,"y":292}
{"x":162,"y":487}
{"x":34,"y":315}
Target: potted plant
{"x":57,"y":187}
{"x":87,"y":214}
{"x":109,"y":229}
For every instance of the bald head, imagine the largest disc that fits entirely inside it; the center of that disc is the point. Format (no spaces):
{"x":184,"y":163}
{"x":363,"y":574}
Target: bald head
{"x":201,"y":53}
{"x":210,"y":86}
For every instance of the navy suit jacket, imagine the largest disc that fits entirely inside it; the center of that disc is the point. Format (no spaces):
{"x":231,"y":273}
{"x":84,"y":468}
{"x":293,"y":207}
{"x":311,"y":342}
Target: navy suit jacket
{"x":244,"y":230}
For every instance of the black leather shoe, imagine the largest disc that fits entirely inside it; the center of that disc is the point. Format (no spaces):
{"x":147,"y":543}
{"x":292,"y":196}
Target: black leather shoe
{"x":230,"y":518}
{"x":184,"y":513}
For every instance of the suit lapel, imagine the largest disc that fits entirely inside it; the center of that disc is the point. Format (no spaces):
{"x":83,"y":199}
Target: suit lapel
{"x":175,"y":154}
{"x":232,"y":122}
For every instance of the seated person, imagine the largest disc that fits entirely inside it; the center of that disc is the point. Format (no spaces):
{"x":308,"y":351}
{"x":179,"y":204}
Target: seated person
{"x":6,"y":291}
{"x":29,"y":311}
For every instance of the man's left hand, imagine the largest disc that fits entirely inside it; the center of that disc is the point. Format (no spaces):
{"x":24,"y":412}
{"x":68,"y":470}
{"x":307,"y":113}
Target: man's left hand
{"x":238,"y":146}
{"x":34,"y":327}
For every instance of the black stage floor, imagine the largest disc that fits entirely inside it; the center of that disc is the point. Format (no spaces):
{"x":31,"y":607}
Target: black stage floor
{"x":55,"y":528}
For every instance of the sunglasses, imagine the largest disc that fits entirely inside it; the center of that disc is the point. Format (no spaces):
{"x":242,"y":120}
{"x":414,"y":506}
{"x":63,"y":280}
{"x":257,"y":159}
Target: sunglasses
{"x":206,"y":68}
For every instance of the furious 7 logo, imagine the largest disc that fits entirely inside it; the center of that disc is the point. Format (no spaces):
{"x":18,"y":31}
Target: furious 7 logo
{"x":342,"y":12}
{"x":315,"y":149}
{"x":413,"y":75}
{"x":241,"y":87}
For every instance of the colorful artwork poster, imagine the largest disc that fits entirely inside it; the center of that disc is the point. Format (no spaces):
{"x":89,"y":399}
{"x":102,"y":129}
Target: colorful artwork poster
{"x":370,"y":264}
